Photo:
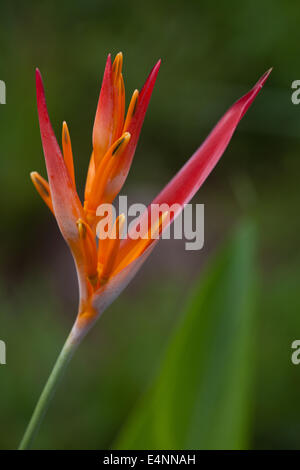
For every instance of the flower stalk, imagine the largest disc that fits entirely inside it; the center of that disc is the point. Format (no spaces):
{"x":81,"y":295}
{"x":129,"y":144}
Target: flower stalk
{"x":48,"y":392}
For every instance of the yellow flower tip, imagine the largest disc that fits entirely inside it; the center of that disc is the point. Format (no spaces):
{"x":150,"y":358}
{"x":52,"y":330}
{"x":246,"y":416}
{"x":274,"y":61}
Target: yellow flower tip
{"x":39,"y":183}
{"x":131,"y":109}
{"x":42,"y":187}
{"x":135,"y":100}
{"x":120,"y":144}
{"x":66,"y":135}
{"x":67,"y":151}
{"x":117,"y":66}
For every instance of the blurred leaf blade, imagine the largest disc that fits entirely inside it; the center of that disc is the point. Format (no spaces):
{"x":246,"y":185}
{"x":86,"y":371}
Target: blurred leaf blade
{"x":202,"y":395}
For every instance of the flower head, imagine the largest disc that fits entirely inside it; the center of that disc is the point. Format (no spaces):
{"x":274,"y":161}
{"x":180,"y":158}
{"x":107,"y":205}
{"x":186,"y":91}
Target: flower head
{"x":106,"y":267}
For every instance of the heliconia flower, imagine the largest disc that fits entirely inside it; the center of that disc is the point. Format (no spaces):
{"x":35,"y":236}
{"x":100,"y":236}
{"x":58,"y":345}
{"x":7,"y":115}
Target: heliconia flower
{"x":105,"y":267}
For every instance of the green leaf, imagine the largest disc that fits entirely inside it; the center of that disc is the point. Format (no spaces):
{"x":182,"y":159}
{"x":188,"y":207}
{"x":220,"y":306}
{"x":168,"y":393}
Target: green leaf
{"x":201,"y":398}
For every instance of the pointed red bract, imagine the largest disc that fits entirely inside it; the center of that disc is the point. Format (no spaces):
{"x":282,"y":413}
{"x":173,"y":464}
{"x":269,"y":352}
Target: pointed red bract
{"x":192,"y":175}
{"x":135,"y":126}
{"x":137,"y":120}
{"x":104,"y":119}
{"x":66,"y":204}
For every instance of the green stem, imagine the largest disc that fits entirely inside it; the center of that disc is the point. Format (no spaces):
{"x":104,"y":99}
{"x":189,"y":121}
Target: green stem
{"x":48,"y":392}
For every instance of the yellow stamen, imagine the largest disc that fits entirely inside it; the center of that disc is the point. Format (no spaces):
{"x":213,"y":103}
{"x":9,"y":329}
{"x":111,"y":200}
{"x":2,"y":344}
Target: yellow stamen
{"x":42,"y":187}
{"x":90,"y":177}
{"x":131,"y":110}
{"x":67,"y":151}
{"x":104,"y":171}
{"x":119,"y":100}
{"x":119,"y":96}
{"x":89,"y":249}
{"x":122,"y":91}
{"x":117,"y":66}
{"x":112,"y":248}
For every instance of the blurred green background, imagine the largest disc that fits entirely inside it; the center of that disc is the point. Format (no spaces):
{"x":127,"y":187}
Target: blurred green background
{"x":212,"y":53}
